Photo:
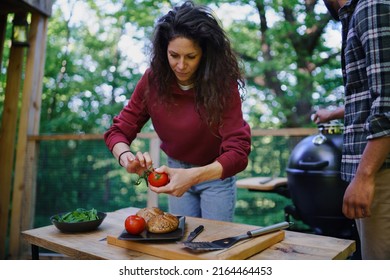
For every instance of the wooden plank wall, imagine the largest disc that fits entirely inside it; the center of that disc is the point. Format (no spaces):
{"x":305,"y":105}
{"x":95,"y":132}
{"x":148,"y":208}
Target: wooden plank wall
{"x":8,"y":136}
{"x":22,"y":204}
{"x":22,"y":112}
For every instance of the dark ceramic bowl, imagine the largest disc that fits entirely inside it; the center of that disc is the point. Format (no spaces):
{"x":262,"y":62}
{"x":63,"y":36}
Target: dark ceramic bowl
{"x":78,"y":226}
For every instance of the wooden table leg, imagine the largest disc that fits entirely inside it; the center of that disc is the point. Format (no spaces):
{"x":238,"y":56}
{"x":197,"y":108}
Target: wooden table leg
{"x":34,"y":252}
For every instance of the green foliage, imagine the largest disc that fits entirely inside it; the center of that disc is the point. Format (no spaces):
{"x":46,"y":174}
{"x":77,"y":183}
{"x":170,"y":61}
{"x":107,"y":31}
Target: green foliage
{"x":4,"y":62}
{"x":92,"y":68}
{"x":82,"y":174}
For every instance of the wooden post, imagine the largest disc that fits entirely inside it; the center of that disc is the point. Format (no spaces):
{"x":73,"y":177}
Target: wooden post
{"x":154,"y":151}
{"x":8,"y":136}
{"x":23,"y":198}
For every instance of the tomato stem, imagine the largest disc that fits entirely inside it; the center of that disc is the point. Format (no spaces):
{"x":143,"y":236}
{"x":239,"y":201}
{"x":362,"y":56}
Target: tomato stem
{"x":144,"y":176}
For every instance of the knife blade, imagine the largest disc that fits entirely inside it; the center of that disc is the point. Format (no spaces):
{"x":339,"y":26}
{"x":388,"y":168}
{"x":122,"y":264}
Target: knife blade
{"x":194,"y":233}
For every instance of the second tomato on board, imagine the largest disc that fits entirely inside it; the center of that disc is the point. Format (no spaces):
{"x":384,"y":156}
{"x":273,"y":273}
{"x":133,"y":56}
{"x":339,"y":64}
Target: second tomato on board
{"x":135,"y":224}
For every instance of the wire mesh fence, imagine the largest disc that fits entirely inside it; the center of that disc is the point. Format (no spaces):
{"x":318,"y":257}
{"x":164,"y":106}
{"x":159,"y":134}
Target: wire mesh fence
{"x":75,"y":173}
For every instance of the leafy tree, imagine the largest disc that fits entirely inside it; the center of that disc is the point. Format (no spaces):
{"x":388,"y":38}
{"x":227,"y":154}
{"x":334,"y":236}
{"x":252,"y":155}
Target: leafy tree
{"x":289,"y":68}
{"x":89,"y":75}
{"x":90,"y":72}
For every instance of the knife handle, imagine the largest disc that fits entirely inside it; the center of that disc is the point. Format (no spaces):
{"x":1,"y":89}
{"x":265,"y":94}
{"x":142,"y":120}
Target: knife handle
{"x":198,"y":230}
{"x":268,"y":229}
{"x":195,"y":233}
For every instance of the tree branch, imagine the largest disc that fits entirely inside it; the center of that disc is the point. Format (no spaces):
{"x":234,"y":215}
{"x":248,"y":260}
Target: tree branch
{"x":270,"y":76}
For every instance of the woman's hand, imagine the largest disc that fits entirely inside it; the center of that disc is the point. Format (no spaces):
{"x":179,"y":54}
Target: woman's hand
{"x":137,"y":164}
{"x":180,"y":181}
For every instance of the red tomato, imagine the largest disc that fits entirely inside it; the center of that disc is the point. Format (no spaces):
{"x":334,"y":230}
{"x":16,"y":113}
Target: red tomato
{"x":135,"y":224}
{"x":158,"y":179}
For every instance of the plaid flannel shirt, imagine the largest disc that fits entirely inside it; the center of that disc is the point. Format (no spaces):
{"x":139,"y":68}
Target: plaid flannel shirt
{"x":366,"y":74}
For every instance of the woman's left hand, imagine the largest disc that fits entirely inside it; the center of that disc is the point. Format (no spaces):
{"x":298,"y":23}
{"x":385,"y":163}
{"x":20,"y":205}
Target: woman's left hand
{"x":180,"y":180}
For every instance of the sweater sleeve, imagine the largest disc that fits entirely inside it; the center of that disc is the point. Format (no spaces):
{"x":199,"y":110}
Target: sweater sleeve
{"x":236,"y":140}
{"x":131,"y":119}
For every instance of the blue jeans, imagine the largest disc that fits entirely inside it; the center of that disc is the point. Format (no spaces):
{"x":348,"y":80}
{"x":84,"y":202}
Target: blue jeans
{"x":213,"y":199}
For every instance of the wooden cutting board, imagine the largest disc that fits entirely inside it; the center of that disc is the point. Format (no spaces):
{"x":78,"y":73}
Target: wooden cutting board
{"x":212,"y":230}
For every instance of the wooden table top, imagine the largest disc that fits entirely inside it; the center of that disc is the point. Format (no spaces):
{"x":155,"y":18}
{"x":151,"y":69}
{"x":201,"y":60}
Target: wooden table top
{"x":261,"y":183}
{"x":93,"y":245}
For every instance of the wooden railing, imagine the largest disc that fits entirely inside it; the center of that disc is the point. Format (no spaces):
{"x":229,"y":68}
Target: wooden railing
{"x":153,"y":135}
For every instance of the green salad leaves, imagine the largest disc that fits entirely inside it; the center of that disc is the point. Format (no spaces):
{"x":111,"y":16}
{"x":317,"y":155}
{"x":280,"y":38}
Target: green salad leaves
{"x":78,"y":215}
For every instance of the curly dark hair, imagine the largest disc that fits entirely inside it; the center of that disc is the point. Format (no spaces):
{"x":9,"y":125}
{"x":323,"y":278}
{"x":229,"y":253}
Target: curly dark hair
{"x":218,"y":68}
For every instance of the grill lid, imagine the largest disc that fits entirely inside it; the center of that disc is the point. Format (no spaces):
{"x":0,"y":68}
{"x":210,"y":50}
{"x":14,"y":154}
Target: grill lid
{"x":321,"y":152}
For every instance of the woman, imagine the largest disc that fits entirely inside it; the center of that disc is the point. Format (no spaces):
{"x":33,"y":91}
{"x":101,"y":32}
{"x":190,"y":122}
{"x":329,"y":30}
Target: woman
{"x":191,"y":94}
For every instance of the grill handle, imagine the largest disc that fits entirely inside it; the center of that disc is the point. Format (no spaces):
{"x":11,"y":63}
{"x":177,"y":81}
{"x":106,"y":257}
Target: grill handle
{"x":316,"y":165}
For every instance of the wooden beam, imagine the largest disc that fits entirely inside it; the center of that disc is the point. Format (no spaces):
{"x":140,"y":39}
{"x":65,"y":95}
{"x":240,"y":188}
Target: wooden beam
{"x":8,"y":136}
{"x":56,"y":137}
{"x":23,"y":198}
{"x":154,"y":152}
{"x":44,"y":7}
{"x":288,"y":132}
{"x":297,"y":131}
